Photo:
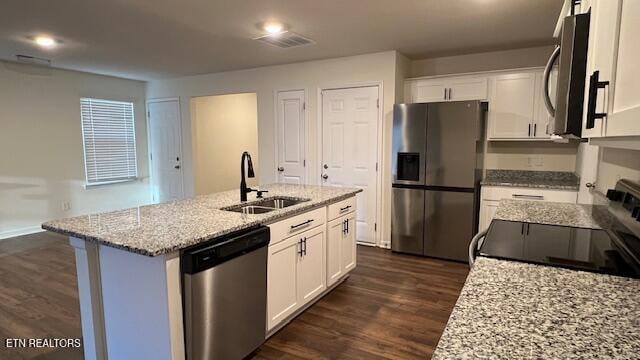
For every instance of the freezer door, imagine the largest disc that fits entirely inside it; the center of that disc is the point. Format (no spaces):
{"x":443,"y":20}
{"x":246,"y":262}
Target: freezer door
{"x":448,"y":224}
{"x":407,"y":220}
{"x":453,"y":133}
{"x":409,"y":143}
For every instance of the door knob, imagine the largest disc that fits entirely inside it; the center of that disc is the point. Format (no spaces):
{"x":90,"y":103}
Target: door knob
{"x":590,"y":185}
{"x":177,"y":166}
{"x":325,"y":176}
{"x":280,"y":168}
{"x":325,"y":166}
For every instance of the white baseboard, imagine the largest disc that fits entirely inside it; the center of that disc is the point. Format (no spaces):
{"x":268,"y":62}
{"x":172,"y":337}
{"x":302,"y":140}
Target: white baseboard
{"x":19,"y":232}
{"x":366,"y":244}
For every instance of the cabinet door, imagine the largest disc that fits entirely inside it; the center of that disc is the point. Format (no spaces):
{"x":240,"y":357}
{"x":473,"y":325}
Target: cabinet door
{"x":467,"y":89}
{"x":310,"y":266}
{"x":623,"y":117}
{"x":335,"y":236}
{"x":282,"y":280}
{"x":349,"y":244}
{"x":428,"y":91}
{"x":487,"y":211}
{"x":511,"y":106}
{"x":603,"y":32}
{"x":543,"y":120}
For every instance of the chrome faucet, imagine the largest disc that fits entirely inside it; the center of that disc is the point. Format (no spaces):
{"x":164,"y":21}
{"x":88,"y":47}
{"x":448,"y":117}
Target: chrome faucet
{"x":244,"y":190}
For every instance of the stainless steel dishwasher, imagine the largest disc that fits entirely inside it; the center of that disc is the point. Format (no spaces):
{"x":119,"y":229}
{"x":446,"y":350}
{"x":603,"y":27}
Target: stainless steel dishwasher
{"x":225,"y":295}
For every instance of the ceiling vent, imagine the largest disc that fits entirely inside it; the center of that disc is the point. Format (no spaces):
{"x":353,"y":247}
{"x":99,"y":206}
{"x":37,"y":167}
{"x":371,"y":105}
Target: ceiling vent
{"x":285,"y":40}
{"x":26,"y":59}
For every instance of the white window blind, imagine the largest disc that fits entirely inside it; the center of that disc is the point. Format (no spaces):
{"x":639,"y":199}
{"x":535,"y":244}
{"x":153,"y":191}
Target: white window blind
{"x":108,"y":132}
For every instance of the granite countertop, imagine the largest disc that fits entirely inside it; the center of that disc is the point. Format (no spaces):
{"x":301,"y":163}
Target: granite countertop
{"x":553,"y":213}
{"x":512,"y":310}
{"x":163,"y":228}
{"x":558,"y":180}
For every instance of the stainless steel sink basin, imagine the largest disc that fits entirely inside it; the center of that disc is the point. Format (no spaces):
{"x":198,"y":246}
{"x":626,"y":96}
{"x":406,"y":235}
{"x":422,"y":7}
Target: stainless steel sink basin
{"x":265,"y":205}
{"x":279,"y":202}
{"x":250,"y":209}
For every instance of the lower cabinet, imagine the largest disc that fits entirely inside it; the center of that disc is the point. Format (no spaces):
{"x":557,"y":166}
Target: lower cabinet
{"x":491,"y":196}
{"x":303,"y":263}
{"x":341,"y":247}
{"x":295,"y":274}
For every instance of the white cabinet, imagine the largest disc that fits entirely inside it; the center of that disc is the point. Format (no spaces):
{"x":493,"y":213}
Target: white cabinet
{"x":295,"y":274}
{"x":341,"y":247}
{"x":282,"y":280}
{"x":511,"y":106}
{"x":491,"y":196}
{"x":613,"y":53}
{"x":446,"y":89}
{"x":306,"y":255}
{"x":542,"y":120}
{"x":487,"y":211}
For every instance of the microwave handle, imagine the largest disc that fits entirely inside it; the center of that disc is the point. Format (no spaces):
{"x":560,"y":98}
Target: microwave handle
{"x":547,"y":74}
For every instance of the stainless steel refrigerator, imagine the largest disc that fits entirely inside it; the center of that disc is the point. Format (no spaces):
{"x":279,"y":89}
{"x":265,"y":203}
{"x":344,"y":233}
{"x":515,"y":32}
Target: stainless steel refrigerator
{"x":437,"y":166}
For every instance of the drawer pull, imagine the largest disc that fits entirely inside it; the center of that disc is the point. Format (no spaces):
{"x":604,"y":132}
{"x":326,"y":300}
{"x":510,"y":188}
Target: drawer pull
{"x":293,"y":227}
{"x":345,"y":208}
{"x":532,"y":197}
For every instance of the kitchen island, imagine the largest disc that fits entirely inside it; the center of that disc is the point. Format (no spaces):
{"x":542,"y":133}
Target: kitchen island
{"x":129,"y":270}
{"x":515,"y":310}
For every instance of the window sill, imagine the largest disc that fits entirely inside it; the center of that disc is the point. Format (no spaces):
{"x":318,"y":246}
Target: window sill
{"x":107,"y":183}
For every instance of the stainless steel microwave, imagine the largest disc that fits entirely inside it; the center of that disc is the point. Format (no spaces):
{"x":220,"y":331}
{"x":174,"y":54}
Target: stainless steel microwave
{"x":572,"y":70}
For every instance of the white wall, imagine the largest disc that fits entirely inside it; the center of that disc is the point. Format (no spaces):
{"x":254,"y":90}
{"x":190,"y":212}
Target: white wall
{"x":41,"y":156}
{"x":223,"y":125}
{"x":265,"y":81}
{"x":487,"y":61}
{"x":617,"y":164}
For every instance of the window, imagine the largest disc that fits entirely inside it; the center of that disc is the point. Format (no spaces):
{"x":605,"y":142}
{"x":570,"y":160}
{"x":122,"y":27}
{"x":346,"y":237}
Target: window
{"x":109,"y":138}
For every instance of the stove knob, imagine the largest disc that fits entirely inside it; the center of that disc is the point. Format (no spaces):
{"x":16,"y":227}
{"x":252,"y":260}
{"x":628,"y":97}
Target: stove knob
{"x":614,"y":195}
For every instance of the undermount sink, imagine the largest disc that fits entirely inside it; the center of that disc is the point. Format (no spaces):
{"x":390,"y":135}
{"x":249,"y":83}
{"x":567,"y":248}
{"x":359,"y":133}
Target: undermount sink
{"x":265,"y":205}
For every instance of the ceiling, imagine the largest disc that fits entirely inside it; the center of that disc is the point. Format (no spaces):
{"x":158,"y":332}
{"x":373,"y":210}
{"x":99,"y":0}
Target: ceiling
{"x":152,"y":39}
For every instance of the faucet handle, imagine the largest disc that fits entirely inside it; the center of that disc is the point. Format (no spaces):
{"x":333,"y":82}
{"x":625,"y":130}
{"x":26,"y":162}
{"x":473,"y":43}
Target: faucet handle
{"x":260,"y":192}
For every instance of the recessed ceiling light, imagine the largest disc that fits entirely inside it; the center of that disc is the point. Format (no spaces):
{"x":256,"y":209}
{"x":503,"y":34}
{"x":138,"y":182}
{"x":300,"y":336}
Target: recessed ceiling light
{"x":45,"y":41}
{"x":273,"y":28}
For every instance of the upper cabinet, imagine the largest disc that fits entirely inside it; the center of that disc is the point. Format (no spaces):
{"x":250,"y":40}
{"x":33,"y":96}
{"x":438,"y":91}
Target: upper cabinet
{"x":445,"y":89}
{"x":612,"y":94}
{"x":516,"y":106}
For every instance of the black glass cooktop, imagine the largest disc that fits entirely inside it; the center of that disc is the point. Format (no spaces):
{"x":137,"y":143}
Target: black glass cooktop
{"x":612,"y":252}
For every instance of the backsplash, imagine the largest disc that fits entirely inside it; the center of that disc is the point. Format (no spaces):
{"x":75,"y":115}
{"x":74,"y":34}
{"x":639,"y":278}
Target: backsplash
{"x":529,"y":155}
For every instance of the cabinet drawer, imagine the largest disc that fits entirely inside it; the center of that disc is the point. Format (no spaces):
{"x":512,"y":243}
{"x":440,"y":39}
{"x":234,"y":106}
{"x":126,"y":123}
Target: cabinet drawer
{"x":498,"y":193}
{"x":342,"y":207}
{"x":297,"y":224}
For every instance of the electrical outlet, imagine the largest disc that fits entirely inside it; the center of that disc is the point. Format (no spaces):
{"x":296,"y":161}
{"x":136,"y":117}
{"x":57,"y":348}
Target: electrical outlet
{"x":66,"y":205}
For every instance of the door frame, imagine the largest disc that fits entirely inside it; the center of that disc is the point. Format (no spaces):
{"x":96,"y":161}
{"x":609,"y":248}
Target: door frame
{"x":180,"y":145}
{"x":379,"y":145}
{"x":305,"y":129}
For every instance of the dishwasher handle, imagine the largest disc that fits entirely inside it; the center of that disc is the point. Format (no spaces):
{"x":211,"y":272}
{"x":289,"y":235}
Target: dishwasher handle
{"x":223,"y":249}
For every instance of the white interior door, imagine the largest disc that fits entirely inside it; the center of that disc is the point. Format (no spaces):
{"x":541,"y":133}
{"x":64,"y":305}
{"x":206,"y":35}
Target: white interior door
{"x":350,"y":147}
{"x":166,"y":150}
{"x":290,"y":136}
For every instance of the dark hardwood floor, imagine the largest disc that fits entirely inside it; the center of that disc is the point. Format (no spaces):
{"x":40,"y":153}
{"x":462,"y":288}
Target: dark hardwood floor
{"x":391,"y":307}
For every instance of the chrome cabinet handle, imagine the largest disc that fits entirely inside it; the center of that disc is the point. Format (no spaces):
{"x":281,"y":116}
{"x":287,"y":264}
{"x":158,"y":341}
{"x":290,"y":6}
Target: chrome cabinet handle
{"x":304,"y":246}
{"x":300,"y":247}
{"x":345,"y":208}
{"x":293,"y":227}
{"x":529,"y":131}
{"x":535,"y":129}
{"x":449,"y":93}
{"x":533,"y":197}
{"x":280,"y":168}
{"x":445,"y":93}
{"x":344,"y":226}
